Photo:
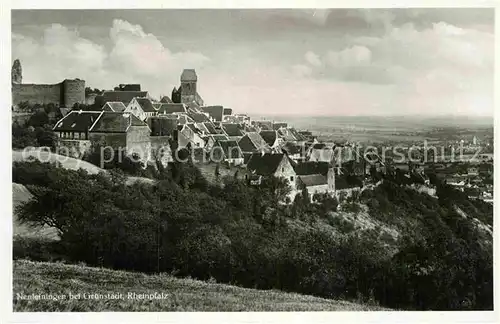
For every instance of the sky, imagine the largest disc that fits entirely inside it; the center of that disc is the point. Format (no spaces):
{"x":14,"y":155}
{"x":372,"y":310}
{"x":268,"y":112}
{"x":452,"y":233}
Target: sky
{"x":323,"y":62}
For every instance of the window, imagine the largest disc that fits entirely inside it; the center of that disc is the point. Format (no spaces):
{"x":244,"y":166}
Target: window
{"x":282,"y":169}
{"x":291,"y":178}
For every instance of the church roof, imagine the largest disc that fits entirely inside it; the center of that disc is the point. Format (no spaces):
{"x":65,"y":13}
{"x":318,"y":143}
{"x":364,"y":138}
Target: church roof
{"x":189,"y":75}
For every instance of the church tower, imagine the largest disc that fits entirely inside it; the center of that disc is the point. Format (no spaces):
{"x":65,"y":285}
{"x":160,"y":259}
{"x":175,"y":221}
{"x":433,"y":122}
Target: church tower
{"x":188,"y":85}
{"x":17,"y":72}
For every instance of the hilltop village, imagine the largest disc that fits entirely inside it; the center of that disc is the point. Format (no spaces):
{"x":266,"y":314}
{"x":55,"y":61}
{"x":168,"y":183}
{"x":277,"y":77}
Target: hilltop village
{"x":219,"y":140}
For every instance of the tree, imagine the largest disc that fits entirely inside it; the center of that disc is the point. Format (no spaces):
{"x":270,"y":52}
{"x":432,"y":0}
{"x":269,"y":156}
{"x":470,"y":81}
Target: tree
{"x":217,"y":172}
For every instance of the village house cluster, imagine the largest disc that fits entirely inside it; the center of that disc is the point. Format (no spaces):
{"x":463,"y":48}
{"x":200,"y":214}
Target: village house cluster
{"x":129,"y":119}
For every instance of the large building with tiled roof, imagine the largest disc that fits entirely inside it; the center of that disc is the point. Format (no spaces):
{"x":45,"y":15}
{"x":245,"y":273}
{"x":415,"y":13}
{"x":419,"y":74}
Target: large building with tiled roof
{"x":72,"y":132}
{"x":122,"y":131}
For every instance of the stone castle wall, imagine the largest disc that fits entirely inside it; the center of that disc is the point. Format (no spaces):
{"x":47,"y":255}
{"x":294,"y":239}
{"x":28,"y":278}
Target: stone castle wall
{"x":64,"y":94}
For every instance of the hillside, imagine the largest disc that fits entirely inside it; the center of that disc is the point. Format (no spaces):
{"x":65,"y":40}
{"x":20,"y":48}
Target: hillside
{"x":66,"y":162}
{"x":181,"y":294}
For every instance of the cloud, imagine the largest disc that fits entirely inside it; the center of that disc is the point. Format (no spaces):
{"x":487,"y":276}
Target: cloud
{"x":313,"y":59}
{"x":133,"y":56}
{"x":442,"y":67}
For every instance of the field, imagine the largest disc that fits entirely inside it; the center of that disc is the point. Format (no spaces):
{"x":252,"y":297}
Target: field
{"x":41,"y":278}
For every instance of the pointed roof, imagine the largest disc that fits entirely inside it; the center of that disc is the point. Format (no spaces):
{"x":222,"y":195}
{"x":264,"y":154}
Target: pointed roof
{"x":269,"y":136}
{"x":114,"y":106}
{"x":146,"y":104}
{"x":188,"y":75}
{"x":252,"y":142}
{"x":116,"y":122}
{"x":166,"y":99}
{"x":265,"y":164}
{"x":231,"y":149}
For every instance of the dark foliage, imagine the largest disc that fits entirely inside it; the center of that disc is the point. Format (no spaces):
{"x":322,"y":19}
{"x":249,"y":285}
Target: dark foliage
{"x":238,"y":234}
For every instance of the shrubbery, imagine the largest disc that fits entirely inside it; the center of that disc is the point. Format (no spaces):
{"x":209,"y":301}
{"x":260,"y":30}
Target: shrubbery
{"x":238,"y":234}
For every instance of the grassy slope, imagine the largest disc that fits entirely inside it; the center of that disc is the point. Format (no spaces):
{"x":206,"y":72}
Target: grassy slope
{"x":66,"y":162}
{"x":183,"y":294}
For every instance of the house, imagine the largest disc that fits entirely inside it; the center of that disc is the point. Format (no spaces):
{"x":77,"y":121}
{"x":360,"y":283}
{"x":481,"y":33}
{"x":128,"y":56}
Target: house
{"x":166,"y":99}
{"x":163,"y":125}
{"x":278,"y":126}
{"x":273,"y":164}
{"x":227,"y":151}
{"x":199,"y":117}
{"x":271,"y":137}
{"x":472,"y":171}
{"x":215,"y":112}
{"x":227,"y":112}
{"x":72,"y":133}
{"x":251,"y":143}
{"x":186,"y":135}
{"x":233,"y":131}
{"x":123,"y":132}
{"x":318,"y":183}
{"x":170,"y":108}
{"x":263,"y":124}
{"x":142,"y":108}
{"x":114,"y":106}
{"x":294,"y":151}
{"x":210,"y":127}
{"x":212,"y":139}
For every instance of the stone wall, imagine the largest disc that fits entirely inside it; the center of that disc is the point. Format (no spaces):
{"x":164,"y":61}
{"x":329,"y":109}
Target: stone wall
{"x":64,"y":94}
{"x":37,"y":93}
{"x":139,"y":141}
{"x":115,"y":140}
{"x":73,"y":148}
{"x":160,"y":149}
{"x":73,"y":92}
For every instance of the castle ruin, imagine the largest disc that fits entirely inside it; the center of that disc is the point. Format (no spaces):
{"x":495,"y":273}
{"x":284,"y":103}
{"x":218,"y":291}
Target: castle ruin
{"x":63,"y":94}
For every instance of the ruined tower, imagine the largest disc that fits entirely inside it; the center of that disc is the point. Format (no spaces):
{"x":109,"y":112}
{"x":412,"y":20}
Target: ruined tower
{"x":17,"y":72}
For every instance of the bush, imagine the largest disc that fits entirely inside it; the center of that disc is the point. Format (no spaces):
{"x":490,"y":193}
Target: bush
{"x":236,"y":234}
